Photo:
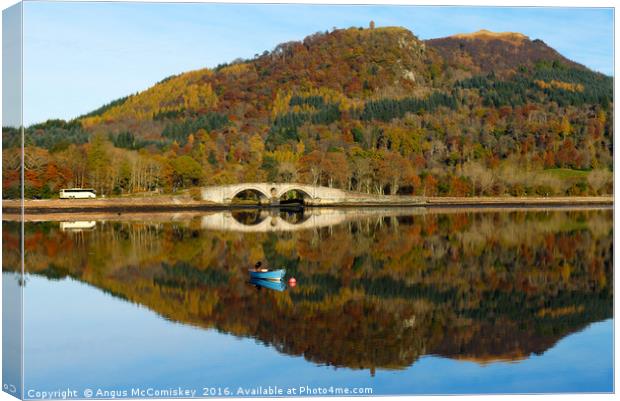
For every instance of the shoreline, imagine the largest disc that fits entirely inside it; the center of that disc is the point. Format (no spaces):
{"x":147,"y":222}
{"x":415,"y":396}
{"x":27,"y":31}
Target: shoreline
{"x":183,"y":204}
{"x":184,"y":215}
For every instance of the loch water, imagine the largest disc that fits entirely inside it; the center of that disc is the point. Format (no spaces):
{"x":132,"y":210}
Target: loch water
{"x":386,"y":301}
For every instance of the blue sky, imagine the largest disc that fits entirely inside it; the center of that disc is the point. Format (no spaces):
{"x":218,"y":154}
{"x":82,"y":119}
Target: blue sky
{"x":78,"y":56}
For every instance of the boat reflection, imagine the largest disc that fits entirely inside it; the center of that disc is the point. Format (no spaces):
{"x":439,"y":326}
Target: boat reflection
{"x":270,"y":284}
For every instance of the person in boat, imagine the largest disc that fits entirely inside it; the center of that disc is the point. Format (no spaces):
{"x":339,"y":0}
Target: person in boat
{"x":258,"y":267}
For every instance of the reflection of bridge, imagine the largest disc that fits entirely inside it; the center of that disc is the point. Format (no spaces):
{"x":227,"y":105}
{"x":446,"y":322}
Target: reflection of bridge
{"x":312,"y":219}
{"x":227,"y":222}
{"x":270,"y":193}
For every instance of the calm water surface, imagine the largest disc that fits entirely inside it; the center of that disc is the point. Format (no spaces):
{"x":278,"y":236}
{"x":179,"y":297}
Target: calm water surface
{"x":399,"y":301}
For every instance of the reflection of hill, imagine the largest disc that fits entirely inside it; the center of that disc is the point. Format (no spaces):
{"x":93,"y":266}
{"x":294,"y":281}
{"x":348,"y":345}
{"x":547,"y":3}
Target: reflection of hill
{"x":374,"y":293}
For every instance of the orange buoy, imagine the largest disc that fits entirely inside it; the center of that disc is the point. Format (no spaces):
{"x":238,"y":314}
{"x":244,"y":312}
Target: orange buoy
{"x":292,"y":282}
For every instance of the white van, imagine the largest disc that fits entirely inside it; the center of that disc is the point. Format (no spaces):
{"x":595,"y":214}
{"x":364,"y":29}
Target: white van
{"x":78,"y":193}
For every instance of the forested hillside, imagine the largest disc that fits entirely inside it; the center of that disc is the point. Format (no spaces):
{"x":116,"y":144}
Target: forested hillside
{"x":374,"y":110}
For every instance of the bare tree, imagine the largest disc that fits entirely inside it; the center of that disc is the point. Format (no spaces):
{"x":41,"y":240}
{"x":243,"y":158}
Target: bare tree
{"x":599,"y":178}
{"x":481,"y":177}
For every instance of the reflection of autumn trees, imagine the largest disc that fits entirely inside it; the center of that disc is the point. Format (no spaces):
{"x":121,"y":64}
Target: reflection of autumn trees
{"x":373,"y":293}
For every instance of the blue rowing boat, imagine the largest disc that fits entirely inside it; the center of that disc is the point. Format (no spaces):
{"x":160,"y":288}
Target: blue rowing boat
{"x":268,"y":275}
{"x":271,"y":284}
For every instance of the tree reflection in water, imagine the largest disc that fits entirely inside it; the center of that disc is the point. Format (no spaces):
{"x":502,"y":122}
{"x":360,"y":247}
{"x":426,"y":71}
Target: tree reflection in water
{"x":376,"y":292}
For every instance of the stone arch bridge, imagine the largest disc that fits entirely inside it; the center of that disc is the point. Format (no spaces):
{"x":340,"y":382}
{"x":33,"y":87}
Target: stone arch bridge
{"x":270,"y":193}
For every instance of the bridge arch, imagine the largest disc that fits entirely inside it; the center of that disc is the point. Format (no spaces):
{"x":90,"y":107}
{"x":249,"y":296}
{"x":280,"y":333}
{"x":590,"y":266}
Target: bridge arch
{"x":305,"y":193}
{"x":259,"y":191}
